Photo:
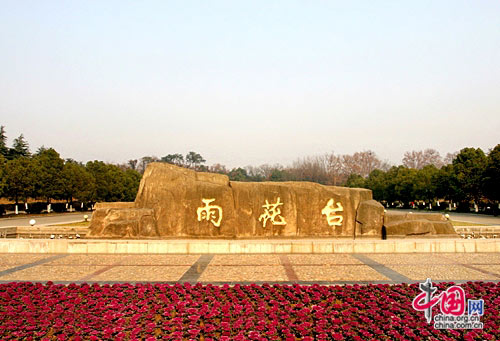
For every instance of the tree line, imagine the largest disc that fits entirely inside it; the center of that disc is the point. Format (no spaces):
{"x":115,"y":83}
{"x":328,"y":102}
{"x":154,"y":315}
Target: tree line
{"x":45,"y":176}
{"x":466,"y":176}
{"x":472,"y":177}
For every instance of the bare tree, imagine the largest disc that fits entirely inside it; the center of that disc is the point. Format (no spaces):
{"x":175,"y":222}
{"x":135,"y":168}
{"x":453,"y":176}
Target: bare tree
{"x":255,"y":172}
{"x":267,"y":170}
{"x":310,"y":169}
{"x":361,"y":163}
{"x":334,"y":167}
{"x":218,"y":168}
{"x":449,"y":158}
{"x":145,"y":161}
{"x":420,"y":159}
{"x":385,"y":166}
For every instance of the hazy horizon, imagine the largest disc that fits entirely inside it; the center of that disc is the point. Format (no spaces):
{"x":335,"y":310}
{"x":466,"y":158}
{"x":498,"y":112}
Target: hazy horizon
{"x":250,"y":83}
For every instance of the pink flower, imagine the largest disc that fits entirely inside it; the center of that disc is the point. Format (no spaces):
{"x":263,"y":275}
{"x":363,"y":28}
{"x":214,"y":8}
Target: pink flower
{"x":337,"y":336}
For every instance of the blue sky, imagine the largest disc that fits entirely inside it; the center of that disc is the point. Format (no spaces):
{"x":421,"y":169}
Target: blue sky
{"x":247,"y":83}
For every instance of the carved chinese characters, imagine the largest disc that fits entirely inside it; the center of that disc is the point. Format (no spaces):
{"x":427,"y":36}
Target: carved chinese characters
{"x":212,"y":213}
{"x":330,"y":211}
{"x":272,"y":212}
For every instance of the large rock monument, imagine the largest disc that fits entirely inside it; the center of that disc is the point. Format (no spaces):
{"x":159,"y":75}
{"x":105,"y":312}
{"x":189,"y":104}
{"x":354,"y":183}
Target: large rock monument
{"x":175,"y":202}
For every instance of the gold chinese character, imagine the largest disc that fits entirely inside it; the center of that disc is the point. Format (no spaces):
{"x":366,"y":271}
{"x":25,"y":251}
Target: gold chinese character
{"x":212,"y":213}
{"x":329,"y":210}
{"x":272,"y":212}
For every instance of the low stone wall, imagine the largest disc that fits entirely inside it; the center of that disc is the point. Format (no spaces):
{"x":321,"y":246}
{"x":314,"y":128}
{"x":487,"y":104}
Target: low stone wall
{"x":246,"y":246}
{"x":42,"y":231}
{"x":124,"y":204}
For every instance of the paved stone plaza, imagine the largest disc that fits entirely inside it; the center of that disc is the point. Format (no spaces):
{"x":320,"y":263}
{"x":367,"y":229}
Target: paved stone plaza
{"x":251,"y":268}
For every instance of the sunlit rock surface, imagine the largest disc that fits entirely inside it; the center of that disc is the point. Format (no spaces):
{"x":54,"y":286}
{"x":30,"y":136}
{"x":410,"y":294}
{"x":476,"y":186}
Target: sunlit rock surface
{"x":179,"y":202}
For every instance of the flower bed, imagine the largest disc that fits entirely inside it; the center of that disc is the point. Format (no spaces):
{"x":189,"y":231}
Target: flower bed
{"x":250,"y":312}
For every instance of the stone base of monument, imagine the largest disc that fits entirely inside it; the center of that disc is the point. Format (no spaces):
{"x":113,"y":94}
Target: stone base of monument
{"x":36,"y":232}
{"x":287,"y":246}
{"x":175,"y":202}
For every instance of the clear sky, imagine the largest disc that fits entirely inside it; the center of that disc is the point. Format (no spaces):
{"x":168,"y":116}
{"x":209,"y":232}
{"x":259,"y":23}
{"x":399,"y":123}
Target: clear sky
{"x":250,"y":82}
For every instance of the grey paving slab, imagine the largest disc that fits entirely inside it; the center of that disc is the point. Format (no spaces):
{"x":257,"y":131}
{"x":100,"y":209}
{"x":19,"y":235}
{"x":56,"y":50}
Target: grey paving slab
{"x":382,"y":269}
{"x":196,"y":270}
{"x":30,"y":265}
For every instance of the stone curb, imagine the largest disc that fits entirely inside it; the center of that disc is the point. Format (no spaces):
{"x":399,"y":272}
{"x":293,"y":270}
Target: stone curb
{"x":217,"y":246}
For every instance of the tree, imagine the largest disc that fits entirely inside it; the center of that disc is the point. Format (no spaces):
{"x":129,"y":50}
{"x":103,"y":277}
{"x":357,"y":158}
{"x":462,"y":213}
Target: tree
{"x":280,"y":175}
{"x":405,"y":187}
{"x":132,"y":180}
{"x":193,"y":160}
{"x":422,"y":158}
{"x":238,"y":174}
{"x":390,"y":193}
{"x":217,"y":168}
{"x":255,"y":173}
{"x":266,"y":170}
{"x":40,"y":150}
{"x":468,"y":167}
{"x":77,"y":182}
{"x":361,"y":163}
{"x":446,"y":184}
{"x":4,"y":150}
{"x":202,"y":168}
{"x":19,"y":179}
{"x":491,"y":183}
{"x":355,"y":181}
{"x":377,"y":181}
{"x":448,"y":159}
{"x":109,"y":181}
{"x":132,"y":164}
{"x":3,"y":182}
{"x":334,"y":168}
{"x":48,"y":170}
{"x":20,"y":148}
{"x":175,"y":159}
{"x":145,"y":161}
{"x":425,"y":186}
{"x":310,"y":169}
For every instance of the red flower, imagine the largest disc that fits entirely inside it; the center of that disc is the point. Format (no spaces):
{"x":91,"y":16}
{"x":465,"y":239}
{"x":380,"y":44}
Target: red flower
{"x":337,"y":336}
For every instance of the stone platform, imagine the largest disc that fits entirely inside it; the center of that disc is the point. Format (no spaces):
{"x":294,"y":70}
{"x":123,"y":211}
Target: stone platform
{"x":251,"y":246}
{"x":220,"y":269}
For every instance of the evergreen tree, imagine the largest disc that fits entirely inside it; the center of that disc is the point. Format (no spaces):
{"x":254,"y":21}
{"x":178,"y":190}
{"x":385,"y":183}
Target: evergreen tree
{"x":77,"y":182}
{"x":20,"y":148}
{"x":468,"y":168}
{"x":491,"y":184}
{"x":48,"y":168}
{"x":356,"y":181}
{"x":19,"y":178}
{"x":4,"y":150}
{"x":377,"y":181}
{"x":132,"y":179}
{"x":3,"y":181}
